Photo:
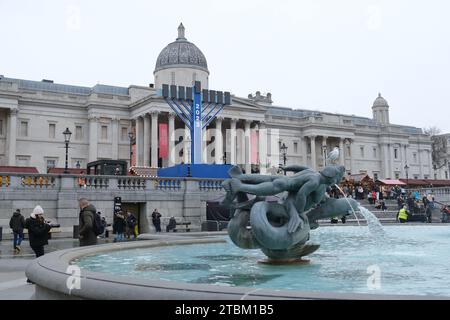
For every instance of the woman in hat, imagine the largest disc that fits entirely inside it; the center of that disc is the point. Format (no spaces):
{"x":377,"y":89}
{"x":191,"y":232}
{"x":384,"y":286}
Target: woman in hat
{"x":37,"y":230}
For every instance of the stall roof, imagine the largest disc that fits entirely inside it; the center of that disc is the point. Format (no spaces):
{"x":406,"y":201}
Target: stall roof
{"x":427,"y":182}
{"x":144,"y":172}
{"x":392,"y":182}
{"x":358,"y":177}
{"x":71,"y":171}
{"x":12,"y":169}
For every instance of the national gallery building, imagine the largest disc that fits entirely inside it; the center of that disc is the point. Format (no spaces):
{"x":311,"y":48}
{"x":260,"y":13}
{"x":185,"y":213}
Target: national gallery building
{"x":135,"y":123}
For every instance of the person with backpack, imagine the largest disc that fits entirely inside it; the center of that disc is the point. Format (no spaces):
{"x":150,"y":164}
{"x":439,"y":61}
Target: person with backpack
{"x":87,"y":223}
{"x":17,"y":224}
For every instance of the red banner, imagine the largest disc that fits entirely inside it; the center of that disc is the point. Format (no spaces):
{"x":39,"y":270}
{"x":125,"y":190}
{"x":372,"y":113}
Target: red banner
{"x":163,"y":140}
{"x":254,"y":146}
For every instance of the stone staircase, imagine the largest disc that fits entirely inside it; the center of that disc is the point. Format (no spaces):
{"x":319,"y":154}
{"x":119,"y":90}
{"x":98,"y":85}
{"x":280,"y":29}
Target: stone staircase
{"x":386,"y":217}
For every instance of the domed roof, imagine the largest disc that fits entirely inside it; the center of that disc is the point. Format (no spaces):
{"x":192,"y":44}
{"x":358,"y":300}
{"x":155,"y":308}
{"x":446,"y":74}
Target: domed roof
{"x":380,"y":102}
{"x":181,"y":53}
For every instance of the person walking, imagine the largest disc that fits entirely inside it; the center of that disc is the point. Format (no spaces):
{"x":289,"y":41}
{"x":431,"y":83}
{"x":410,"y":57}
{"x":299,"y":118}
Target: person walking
{"x":119,"y":226}
{"x":156,"y":219}
{"x":17,"y":224}
{"x":86,"y":222}
{"x":37,"y":231}
{"x":131,"y":223}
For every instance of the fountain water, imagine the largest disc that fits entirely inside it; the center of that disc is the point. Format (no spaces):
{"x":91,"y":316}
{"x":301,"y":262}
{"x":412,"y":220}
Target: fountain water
{"x":373,"y":223}
{"x":353,"y":210}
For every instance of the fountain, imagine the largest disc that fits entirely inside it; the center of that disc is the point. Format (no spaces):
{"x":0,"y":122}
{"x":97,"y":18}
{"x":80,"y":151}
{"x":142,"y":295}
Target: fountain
{"x":412,"y":261}
{"x":282,"y":230}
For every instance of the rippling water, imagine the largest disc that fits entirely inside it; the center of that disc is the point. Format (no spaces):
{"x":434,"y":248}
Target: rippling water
{"x":411,"y":260}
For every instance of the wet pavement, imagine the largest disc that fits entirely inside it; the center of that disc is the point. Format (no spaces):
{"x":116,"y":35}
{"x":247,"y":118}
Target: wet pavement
{"x":13,"y":285}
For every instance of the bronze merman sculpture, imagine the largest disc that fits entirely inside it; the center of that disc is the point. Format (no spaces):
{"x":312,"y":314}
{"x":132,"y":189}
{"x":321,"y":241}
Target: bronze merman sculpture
{"x":281,"y":230}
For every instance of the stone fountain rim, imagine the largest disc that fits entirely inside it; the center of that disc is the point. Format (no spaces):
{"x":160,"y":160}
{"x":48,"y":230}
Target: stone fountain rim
{"x":49,"y":274}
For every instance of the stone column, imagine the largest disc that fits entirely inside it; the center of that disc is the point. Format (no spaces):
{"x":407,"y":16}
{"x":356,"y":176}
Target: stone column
{"x":262,"y":144}
{"x":313,"y":152}
{"x":390,"y":162}
{"x":171,"y":139}
{"x":430,"y":164}
{"x":115,"y":138}
{"x":324,"y":154}
{"x":247,"y":147}
{"x":341,"y":152}
{"x":139,"y":141}
{"x":233,"y":159}
{"x":93,"y":138}
{"x":304,"y":142}
{"x":419,"y":156}
{"x":155,"y":139}
{"x":12,"y":137}
{"x":218,"y":141}
{"x":187,"y":145}
{"x":146,"y":142}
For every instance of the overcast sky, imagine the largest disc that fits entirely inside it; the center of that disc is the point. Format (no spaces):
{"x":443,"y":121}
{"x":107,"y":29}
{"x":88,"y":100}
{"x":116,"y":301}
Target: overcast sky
{"x":325,"y":55}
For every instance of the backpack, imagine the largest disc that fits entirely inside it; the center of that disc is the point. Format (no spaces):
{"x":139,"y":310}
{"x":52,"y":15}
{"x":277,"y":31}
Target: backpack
{"x":99,"y":226}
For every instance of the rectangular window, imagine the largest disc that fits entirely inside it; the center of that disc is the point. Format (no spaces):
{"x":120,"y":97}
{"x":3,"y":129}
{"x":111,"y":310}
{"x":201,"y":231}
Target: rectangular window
{"x":375,"y":153}
{"x":51,"y":130}
{"x":23,"y":161}
{"x":426,"y":177}
{"x":24,"y":129}
{"x":415,"y":157}
{"x":295,"y":147}
{"x":51,"y":163}
{"x":375,"y":176}
{"x":124,"y":134}
{"x":78,"y":133}
{"x":1,"y":127}
{"x":362,"y":152}
{"x":395,"y":153}
{"x":397,"y":176}
{"x":104,"y":133}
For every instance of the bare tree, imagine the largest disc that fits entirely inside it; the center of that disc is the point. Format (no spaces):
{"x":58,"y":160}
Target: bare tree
{"x":439,"y":151}
{"x":432,"y":131}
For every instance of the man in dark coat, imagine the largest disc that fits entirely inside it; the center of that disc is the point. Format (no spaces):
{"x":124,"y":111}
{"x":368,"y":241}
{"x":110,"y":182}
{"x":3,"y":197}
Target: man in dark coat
{"x":156,"y":219}
{"x":37,"y":231}
{"x":17,"y":224}
{"x":87,"y":216}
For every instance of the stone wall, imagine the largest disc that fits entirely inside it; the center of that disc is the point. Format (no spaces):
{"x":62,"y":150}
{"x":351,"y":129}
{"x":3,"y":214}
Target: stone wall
{"x":58,"y":195}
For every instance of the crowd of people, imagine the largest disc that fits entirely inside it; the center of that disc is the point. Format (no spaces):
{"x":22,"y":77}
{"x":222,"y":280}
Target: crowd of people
{"x":408,"y":203}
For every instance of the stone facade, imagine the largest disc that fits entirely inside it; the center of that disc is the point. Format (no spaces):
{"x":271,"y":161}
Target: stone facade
{"x":249,"y":133}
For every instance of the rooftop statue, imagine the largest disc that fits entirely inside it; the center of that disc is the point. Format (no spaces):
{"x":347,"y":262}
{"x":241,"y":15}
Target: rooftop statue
{"x":281,"y":229}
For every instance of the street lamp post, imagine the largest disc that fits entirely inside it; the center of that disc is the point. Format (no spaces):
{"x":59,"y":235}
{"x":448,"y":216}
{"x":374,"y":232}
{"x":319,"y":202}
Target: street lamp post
{"x":283,"y":150}
{"x":406,"y":171}
{"x":130,"y":136}
{"x":224,"y":158}
{"x":67,"y":135}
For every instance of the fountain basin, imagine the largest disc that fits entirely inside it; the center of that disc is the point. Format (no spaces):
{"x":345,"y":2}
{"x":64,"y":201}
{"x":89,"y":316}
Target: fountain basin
{"x":50,"y":271}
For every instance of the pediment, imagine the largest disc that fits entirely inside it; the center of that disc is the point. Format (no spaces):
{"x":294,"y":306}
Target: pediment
{"x":242,"y":103}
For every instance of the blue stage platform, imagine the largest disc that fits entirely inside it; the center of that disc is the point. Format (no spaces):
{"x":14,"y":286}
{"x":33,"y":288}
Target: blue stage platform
{"x":208,"y":171}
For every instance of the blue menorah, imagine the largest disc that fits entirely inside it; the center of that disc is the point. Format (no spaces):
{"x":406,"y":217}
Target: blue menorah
{"x":197,"y":108}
